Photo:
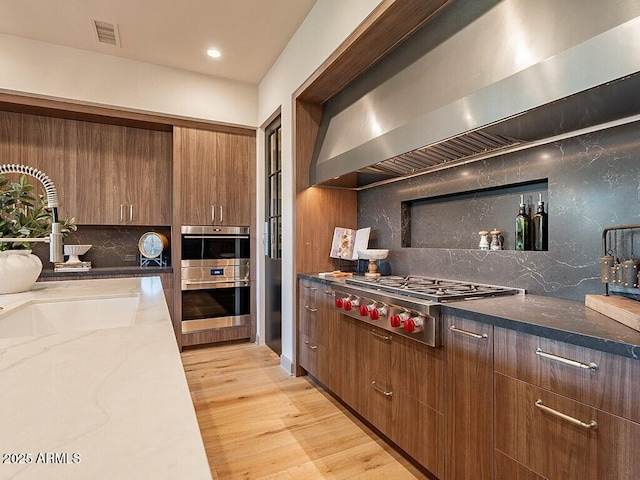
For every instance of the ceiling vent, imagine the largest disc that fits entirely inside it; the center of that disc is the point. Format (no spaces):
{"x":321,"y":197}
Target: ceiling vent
{"x":106,"y":32}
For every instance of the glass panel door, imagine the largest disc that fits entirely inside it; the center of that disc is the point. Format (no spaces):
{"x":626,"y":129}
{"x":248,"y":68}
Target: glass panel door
{"x":273,"y":243}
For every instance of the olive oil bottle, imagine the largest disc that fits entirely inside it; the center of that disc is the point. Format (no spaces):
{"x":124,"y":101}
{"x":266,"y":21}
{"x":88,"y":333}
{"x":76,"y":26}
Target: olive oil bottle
{"x":523,"y":228}
{"x":540,"y":228}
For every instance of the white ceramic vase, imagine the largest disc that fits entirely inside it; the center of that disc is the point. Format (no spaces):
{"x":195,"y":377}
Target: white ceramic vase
{"x":19,"y":270}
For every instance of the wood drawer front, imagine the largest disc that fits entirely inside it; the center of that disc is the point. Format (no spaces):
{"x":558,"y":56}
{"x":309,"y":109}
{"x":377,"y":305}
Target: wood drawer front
{"x":348,"y":330}
{"x":308,"y":308}
{"x":613,"y":387}
{"x":327,"y":326}
{"x":419,"y":371}
{"x":376,"y":349}
{"x":349,"y":389}
{"x":308,"y":349}
{"x":509,"y":469}
{"x":555,"y":448}
{"x":410,"y":424}
{"x":419,"y":431}
{"x":377,"y":400}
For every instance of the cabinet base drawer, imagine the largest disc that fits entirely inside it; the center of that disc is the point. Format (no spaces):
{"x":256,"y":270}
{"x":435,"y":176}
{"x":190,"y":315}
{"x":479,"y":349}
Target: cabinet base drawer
{"x":557,"y":437}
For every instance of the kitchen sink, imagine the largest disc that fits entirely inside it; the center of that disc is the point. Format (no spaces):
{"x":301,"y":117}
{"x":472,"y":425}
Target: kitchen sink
{"x":51,"y":317}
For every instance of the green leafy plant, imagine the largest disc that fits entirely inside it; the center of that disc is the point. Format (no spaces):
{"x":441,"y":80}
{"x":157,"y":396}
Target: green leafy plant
{"x":24,"y":214}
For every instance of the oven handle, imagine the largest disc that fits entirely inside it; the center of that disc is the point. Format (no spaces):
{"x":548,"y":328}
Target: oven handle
{"x":214,"y":236}
{"x":200,"y":285}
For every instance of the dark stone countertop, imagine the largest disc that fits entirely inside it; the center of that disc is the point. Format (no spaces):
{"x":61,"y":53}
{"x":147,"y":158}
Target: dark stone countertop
{"x":563,"y":320}
{"x":49,"y":274}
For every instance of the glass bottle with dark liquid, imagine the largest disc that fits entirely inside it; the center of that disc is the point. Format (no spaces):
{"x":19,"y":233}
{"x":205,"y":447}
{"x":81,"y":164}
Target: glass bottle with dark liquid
{"x":540,"y":228}
{"x":523,"y":230}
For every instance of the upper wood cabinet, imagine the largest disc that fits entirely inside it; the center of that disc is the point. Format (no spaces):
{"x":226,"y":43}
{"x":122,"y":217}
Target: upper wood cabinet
{"x":217,"y":176}
{"x":47,"y":144}
{"x":123,"y":175}
{"x":104,"y":174}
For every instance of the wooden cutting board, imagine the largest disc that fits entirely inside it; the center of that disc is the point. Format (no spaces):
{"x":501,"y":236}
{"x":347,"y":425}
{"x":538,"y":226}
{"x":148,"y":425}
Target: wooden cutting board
{"x":621,"y":309}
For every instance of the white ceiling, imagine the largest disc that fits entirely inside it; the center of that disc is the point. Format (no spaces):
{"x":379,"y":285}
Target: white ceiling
{"x":251,"y":34}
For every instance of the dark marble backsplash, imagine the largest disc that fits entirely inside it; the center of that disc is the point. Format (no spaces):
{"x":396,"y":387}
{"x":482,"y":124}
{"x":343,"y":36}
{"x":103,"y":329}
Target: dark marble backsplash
{"x":111,"y":245}
{"x":593,"y":183}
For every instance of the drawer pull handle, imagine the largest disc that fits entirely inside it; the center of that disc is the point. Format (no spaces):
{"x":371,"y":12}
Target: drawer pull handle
{"x":484,"y":336}
{"x":567,"y":361}
{"x":310,"y":309}
{"x":309,"y":287}
{"x":592,"y":425}
{"x":329,"y":292}
{"x":310,"y":345}
{"x":386,"y":338}
{"x":378,"y":389}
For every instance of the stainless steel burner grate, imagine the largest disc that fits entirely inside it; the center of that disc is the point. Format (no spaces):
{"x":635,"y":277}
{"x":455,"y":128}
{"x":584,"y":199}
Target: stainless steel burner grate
{"x":433,"y":289}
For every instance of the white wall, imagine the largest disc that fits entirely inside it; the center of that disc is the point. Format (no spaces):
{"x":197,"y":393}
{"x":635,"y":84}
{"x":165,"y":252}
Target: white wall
{"x":44,"y":69}
{"x":328,"y":24}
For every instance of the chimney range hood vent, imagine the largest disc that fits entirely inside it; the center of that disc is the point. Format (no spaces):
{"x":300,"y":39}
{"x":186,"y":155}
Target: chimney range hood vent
{"x":389,"y":125}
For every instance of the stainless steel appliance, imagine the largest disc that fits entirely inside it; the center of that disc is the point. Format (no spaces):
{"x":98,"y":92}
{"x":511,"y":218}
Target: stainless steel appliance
{"x":215,"y":281}
{"x":408,"y":306}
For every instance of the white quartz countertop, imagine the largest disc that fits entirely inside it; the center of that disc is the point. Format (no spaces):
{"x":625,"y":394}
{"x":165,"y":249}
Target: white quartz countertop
{"x":111,"y":403}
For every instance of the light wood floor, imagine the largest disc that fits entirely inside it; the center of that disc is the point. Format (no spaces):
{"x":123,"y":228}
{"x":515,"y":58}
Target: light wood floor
{"x":258,"y":423}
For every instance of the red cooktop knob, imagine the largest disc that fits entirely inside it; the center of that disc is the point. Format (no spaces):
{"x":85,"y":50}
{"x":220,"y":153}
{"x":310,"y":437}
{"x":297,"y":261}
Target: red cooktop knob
{"x":374,"y":314}
{"x":395,"y":320}
{"x":339,"y":302}
{"x":409,"y":325}
{"x":364,"y":310}
{"x":347,"y":305}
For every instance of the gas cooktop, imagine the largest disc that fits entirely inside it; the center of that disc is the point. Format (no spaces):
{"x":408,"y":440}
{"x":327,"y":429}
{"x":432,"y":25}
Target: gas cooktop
{"x":433,"y":289}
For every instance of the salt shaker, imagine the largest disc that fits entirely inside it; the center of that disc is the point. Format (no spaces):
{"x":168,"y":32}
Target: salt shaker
{"x":484,"y":241}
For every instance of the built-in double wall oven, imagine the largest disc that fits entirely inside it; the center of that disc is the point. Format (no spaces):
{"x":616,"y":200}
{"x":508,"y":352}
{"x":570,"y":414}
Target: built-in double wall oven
{"x":215,"y":278}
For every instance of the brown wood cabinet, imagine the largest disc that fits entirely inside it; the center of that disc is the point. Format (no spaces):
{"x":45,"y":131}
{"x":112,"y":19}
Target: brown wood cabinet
{"x":123,"y":175}
{"x":605,"y":381}
{"x":393,"y":382}
{"x":104,"y":174}
{"x":551,"y":444}
{"x":47,"y":144}
{"x":317,"y":345}
{"x":217,"y":176}
{"x":469,"y":401}
{"x":564,"y":411}
{"x":308,"y":344}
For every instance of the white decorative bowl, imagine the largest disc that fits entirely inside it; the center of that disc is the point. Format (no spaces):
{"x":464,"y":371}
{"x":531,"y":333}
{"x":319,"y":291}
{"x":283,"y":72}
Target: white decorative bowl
{"x":74,"y":251}
{"x":373,"y":254}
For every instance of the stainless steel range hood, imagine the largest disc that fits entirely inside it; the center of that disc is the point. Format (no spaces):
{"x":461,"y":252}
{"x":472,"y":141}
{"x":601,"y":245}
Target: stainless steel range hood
{"x":475,"y":83}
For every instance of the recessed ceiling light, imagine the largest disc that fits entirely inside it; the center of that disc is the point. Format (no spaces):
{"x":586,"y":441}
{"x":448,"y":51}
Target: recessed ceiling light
{"x":213,"y":53}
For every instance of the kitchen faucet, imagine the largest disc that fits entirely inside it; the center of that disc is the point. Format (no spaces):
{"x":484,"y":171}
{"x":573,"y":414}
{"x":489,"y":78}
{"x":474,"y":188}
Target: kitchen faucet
{"x":55,"y":237}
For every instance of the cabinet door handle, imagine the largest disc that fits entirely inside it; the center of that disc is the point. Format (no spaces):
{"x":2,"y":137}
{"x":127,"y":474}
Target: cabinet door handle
{"x":121,"y":212}
{"x":310,"y":345}
{"x":484,"y":336}
{"x":311,"y":309}
{"x":567,"y":361}
{"x":131,"y":213}
{"x":213,"y":213}
{"x":592,"y":425}
{"x":386,"y":338}
{"x":309,"y":287}
{"x":220,"y":213}
{"x":328,"y":292}
{"x":381,"y":390}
